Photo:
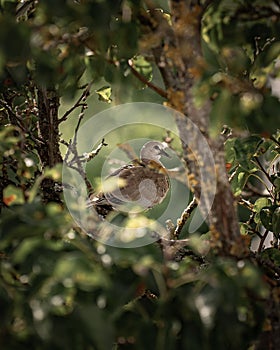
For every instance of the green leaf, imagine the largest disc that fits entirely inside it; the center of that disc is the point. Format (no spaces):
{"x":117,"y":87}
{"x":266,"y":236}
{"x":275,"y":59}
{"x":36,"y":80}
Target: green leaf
{"x":276,"y":182}
{"x":143,"y":67}
{"x":272,"y":254}
{"x":245,"y":149}
{"x":266,"y":218}
{"x":270,"y":218}
{"x":260,"y":203}
{"x":244,"y":228}
{"x":229,"y":150}
{"x":30,"y":220}
{"x":13,"y":195}
{"x":104,"y":94}
{"x":239,"y":181}
{"x":276,"y":221}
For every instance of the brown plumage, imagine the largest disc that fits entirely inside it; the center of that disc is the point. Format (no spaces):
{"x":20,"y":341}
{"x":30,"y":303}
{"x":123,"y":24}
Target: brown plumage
{"x":144,"y":183}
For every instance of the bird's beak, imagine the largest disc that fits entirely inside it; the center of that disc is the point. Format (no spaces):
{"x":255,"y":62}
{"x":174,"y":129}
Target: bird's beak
{"x":164,"y":153}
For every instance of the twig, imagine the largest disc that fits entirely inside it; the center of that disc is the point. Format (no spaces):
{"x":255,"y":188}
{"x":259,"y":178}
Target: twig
{"x":65,"y":143}
{"x":170,"y":247}
{"x":246,"y":203}
{"x":184,"y":217}
{"x":78,"y":103}
{"x":263,"y":170}
{"x":179,"y":243}
{"x":183,"y":252}
{"x":170,"y":227}
{"x":251,"y":218}
{"x":139,"y":76}
{"x":76,"y":162}
{"x":81,"y":116}
{"x":16,"y":120}
{"x":12,"y":116}
{"x":81,"y":171}
{"x":175,"y":249}
{"x":89,"y":156}
{"x":264,"y":236}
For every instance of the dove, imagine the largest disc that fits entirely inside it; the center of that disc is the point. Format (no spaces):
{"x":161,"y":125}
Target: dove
{"x":143,"y":183}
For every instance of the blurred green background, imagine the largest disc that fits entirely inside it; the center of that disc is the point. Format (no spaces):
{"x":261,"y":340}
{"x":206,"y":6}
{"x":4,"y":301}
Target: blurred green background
{"x":59,"y":288}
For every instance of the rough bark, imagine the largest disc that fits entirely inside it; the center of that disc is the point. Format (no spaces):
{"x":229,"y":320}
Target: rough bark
{"x":180,"y":60}
{"x":48,"y":150}
{"x":178,"y":54}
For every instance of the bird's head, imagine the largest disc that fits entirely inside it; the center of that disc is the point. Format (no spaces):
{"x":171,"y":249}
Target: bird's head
{"x":153,"y":150}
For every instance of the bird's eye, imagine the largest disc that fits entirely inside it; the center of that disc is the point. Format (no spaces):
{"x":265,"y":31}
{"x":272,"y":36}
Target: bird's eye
{"x":157,"y":147}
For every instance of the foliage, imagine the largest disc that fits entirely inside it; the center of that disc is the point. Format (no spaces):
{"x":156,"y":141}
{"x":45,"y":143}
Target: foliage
{"x":254,"y":164}
{"x":60,"y":289}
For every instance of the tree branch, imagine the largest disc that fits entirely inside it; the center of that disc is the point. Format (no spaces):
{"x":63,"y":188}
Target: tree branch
{"x":179,"y":58}
{"x":76,"y":162}
{"x":184,"y":217}
{"x":263,"y":238}
{"x":48,"y":150}
{"x":158,"y":90}
{"x":79,"y":103}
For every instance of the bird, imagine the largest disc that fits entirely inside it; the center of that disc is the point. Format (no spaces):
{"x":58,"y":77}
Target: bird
{"x":139,"y":185}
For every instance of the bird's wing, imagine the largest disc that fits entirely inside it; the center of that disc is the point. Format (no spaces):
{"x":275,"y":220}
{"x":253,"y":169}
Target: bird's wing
{"x":136,"y":162}
{"x":141,"y":184}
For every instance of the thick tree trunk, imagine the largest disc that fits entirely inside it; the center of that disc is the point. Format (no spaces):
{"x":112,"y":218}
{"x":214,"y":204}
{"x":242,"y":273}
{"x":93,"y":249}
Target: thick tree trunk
{"x":48,"y":150}
{"x":180,"y":60}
